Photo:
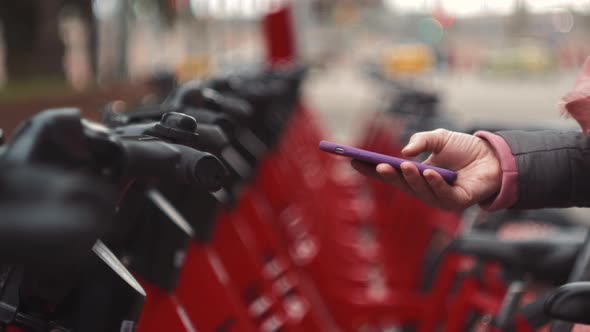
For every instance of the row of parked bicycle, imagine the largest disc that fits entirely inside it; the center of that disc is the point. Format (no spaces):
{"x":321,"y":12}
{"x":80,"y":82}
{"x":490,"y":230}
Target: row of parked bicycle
{"x":213,"y":210}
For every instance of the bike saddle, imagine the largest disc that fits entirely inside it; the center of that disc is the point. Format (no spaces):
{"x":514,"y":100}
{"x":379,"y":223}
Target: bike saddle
{"x":549,"y":259}
{"x":570,"y":302}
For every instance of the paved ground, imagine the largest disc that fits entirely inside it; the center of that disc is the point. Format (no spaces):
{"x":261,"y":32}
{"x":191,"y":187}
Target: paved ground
{"x":342,"y":96}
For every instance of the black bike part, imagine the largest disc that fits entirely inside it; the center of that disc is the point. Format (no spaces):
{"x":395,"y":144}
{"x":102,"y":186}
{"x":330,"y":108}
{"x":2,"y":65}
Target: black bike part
{"x":59,"y":214}
{"x":266,"y":100}
{"x":228,"y":124}
{"x":114,"y":117}
{"x":209,"y":138}
{"x":155,"y":246}
{"x":195,"y":94}
{"x":210,"y":135}
{"x":580,"y":272}
{"x":13,"y":311}
{"x":546,"y":260}
{"x":53,"y":137}
{"x":10,"y":281}
{"x":139,"y":129}
{"x":212,"y":139}
{"x":54,"y":232}
{"x":150,"y":157}
{"x":534,"y":314}
{"x":570,"y":303}
{"x":293,"y":75}
{"x":505,"y":317}
{"x":177,"y":127}
{"x":552,"y":217}
{"x":282,"y":106}
{"x":162,"y":83}
{"x":107,"y":298}
{"x":236,"y":133}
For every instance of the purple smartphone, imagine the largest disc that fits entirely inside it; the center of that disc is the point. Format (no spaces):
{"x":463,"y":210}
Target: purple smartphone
{"x":377,"y":158}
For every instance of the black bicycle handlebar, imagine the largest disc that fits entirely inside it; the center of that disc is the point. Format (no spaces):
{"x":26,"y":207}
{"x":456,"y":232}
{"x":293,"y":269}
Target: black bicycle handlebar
{"x":149,"y":158}
{"x":60,"y":138}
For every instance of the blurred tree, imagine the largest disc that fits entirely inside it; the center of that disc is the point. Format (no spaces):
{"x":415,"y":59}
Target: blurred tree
{"x":520,"y":19}
{"x":32,"y":43}
{"x":85,"y":9}
{"x":33,"y":46}
{"x":167,"y":10}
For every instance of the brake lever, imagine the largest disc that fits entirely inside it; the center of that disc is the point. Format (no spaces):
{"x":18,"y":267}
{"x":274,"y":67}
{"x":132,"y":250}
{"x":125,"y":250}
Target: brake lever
{"x":115,"y":114}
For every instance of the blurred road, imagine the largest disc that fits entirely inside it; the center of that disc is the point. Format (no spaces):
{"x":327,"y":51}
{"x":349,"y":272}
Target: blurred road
{"x":342,"y":97}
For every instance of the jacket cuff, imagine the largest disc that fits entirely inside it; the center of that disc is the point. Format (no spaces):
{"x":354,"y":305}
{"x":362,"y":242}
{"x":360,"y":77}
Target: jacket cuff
{"x":508,"y":194}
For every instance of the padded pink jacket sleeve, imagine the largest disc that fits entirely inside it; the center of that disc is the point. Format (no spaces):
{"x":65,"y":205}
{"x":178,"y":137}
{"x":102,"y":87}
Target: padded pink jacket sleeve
{"x":508,"y":192}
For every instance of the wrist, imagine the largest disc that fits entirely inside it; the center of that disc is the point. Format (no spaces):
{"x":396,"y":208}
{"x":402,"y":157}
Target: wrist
{"x":494,"y":168}
{"x":506,"y":195}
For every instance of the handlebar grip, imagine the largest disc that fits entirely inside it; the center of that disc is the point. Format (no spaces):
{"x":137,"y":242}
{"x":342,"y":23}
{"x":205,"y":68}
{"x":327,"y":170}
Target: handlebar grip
{"x":211,"y":138}
{"x":202,"y":168}
{"x":155,"y":158}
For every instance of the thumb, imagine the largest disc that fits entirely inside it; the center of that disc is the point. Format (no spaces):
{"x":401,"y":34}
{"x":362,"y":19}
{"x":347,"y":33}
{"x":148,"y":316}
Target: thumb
{"x":428,"y":141}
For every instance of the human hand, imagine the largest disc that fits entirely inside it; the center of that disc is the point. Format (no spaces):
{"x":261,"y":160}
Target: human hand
{"x":474,"y":159}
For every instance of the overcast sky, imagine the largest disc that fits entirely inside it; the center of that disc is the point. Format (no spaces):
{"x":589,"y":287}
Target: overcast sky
{"x":456,"y":7}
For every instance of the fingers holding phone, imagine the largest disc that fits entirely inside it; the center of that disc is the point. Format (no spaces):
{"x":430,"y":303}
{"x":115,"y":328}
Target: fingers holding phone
{"x":472,"y":160}
{"x":384,"y":173}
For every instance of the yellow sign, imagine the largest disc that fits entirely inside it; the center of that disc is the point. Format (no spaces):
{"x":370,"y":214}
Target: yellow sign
{"x":193,"y":68}
{"x":408,"y":59}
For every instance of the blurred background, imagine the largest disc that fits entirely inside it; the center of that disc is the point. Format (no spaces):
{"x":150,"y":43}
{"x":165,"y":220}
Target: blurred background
{"x":507,"y":62}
